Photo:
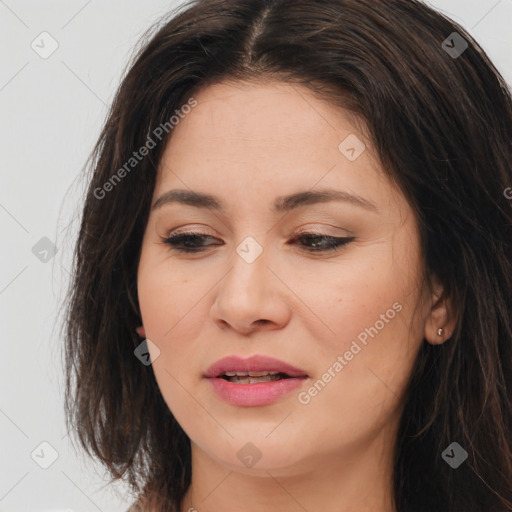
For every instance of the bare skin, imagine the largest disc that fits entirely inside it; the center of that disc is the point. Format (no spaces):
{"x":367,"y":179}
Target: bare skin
{"x":329,"y":450}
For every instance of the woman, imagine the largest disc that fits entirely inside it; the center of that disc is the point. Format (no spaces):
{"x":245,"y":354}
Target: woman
{"x":293,"y":282}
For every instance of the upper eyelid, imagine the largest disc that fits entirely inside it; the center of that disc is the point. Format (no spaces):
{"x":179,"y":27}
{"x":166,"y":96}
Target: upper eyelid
{"x":299,"y":233}
{"x":186,"y":230}
{"x":204,"y":230}
{"x":294,"y":237}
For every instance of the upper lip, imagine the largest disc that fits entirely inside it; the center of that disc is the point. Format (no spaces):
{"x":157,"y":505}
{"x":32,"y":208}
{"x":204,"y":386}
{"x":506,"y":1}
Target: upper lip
{"x":255,"y":363}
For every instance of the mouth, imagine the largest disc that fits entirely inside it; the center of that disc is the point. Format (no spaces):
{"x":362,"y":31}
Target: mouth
{"x":263,"y":368}
{"x":256,"y":381}
{"x":253,"y":377}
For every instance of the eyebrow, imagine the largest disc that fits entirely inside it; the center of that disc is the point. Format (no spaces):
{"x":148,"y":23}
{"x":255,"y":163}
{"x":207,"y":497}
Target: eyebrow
{"x":281,"y":204}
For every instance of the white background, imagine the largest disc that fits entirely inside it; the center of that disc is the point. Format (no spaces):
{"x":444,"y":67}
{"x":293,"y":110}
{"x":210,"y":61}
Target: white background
{"x":51,"y":114}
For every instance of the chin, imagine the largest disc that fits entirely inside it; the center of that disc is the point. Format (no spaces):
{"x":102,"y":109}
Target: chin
{"x":254,"y":454}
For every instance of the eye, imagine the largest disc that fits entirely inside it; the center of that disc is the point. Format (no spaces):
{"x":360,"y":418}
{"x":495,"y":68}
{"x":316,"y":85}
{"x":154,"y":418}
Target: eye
{"x":322,"y":243}
{"x":188,"y":242}
{"x":311,"y":242}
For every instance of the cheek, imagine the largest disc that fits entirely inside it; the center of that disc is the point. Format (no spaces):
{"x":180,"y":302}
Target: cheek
{"x":166,"y":301}
{"x":165,"y":298}
{"x":174,"y":309}
{"x":375,"y":294}
{"x":371,"y":307}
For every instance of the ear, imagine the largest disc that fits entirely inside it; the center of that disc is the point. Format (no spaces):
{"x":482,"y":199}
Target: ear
{"x":442,"y":319}
{"x":141,"y":331}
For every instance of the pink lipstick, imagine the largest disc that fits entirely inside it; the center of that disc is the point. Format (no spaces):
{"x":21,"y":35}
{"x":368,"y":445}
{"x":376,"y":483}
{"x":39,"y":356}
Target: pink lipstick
{"x":256,"y":381}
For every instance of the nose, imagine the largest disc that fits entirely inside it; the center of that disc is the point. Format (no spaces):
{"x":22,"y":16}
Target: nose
{"x":251,"y":297}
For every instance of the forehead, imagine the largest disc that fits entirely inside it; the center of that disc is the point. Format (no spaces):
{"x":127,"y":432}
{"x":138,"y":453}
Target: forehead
{"x":243,"y":114}
{"x":245,"y":140}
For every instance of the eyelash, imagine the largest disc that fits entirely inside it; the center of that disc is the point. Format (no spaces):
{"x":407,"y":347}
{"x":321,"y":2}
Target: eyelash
{"x":332,"y":244}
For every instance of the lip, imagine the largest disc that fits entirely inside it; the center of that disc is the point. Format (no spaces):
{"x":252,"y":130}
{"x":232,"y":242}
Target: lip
{"x":255,"y":363}
{"x":252,"y":395}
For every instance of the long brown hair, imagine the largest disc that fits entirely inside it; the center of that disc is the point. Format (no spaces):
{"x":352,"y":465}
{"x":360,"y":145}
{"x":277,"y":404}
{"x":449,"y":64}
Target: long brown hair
{"x":441,"y":123}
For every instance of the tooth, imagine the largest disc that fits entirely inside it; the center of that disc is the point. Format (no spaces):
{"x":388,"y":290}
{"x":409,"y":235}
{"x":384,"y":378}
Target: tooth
{"x":252,"y":380}
{"x":258,"y":374}
{"x":241,"y":374}
{"x":230,"y":374}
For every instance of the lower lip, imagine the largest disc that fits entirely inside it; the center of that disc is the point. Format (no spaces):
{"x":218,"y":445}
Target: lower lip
{"x":252,"y":395}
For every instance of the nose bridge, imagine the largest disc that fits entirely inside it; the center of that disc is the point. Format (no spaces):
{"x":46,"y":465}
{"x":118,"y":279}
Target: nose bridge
{"x":248,"y":273}
{"x":246,"y":295}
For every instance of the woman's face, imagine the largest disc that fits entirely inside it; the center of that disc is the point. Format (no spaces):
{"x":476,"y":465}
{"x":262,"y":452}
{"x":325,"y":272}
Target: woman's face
{"x":256,"y":286}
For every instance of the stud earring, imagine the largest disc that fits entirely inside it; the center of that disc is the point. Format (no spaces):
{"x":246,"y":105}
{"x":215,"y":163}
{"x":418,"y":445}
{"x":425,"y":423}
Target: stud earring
{"x":440,"y":331}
